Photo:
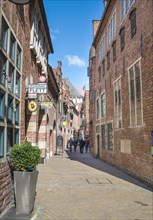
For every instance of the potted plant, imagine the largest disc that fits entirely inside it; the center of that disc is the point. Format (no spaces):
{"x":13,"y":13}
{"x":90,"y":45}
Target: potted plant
{"x":23,"y":159}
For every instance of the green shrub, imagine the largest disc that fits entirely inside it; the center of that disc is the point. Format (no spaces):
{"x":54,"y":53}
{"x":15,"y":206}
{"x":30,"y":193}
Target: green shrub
{"x":24,"y":157}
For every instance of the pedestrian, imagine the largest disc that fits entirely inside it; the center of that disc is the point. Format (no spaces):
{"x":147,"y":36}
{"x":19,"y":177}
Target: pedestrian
{"x":86,"y":144}
{"x":75,"y":144}
{"x":71,"y":144}
{"x":82,"y":143}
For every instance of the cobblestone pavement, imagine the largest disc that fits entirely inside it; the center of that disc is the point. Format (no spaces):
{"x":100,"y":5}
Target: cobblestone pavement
{"x":79,"y":187}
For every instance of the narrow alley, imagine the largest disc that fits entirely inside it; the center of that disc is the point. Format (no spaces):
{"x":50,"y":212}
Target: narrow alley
{"x":77,"y":186}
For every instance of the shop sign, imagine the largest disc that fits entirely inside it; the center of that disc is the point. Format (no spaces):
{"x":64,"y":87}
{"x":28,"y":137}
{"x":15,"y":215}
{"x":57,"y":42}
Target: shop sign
{"x":40,"y":88}
{"x":32,"y":95}
{"x":32,"y":106}
{"x":46,"y":105}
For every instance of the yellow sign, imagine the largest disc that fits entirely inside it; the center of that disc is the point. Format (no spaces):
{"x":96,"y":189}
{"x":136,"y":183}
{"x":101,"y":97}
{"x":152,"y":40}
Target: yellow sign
{"x":64,"y":123}
{"x":46,"y":105}
{"x":32,"y":106}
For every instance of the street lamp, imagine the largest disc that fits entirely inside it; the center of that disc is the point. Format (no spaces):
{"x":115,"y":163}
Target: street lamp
{"x":20,"y":2}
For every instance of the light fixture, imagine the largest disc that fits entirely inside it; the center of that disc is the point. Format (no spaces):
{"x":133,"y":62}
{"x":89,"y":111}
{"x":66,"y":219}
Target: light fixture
{"x":20,"y":2}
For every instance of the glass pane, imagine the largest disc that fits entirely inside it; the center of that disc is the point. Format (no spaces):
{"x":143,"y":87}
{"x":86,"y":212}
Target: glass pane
{"x":18,"y":58}
{"x":4,"y":35}
{"x":2,"y":105}
{"x":10,"y":109}
{"x":10,"y":78}
{"x":1,"y":141}
{"x":12,"y":48}
{"x":3,"y":63}
{"x":17,"y":85}
{"x":9,"y":138}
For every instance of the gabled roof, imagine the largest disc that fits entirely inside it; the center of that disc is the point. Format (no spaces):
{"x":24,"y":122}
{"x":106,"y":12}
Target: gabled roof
{"x":73,"y":91}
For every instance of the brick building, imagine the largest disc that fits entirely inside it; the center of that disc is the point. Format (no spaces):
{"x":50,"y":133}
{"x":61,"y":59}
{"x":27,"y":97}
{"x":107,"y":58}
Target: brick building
{"x":24,"y":48}
{"x":121,"y":81}
{"x":85,"y":114}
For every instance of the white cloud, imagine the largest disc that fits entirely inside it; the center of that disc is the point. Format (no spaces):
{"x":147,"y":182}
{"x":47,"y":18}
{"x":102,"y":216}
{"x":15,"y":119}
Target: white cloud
{"x":75,"y":60}
{"x":54,"y":32}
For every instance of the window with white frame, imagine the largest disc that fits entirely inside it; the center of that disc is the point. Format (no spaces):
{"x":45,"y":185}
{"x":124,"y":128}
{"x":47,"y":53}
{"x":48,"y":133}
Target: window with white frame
{"x":135,"y":94}
{"x":103,"y":105}
{"x":112,"y":28}
{"x":125,"y":6}
{"x":117,"y":104}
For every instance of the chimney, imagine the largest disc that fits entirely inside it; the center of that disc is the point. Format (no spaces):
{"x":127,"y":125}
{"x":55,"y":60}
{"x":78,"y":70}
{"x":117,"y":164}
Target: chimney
{"x":95,"y":26}
{"x":59,"y":64}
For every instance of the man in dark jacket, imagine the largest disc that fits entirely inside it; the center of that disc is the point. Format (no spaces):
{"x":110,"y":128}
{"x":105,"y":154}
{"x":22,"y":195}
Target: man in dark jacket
{"x":82,"y":143}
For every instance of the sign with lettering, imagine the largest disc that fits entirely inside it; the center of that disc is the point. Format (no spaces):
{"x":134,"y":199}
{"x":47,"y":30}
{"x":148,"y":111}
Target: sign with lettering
{"x":46,"y":105}
{"x":40,"y":88}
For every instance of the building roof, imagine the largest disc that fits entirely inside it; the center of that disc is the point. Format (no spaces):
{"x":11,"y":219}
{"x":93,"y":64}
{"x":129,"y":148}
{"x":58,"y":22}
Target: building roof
{"x":73,"y":91}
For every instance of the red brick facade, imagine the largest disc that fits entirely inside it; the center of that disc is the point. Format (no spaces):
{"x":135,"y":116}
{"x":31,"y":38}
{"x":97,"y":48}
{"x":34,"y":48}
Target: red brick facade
{"x":122,"y":137}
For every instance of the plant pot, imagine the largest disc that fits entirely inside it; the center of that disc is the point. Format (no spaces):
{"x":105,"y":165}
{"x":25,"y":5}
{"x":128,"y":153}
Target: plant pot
{"x":25,"y":191}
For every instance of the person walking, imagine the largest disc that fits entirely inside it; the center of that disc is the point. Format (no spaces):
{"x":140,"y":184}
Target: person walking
{"x":86,"y":144}
{"x":71,"y":144}
{"x":82,"y":143}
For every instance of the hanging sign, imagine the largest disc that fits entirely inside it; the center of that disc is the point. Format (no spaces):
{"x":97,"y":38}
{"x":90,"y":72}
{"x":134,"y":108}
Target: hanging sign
{"x":32,"y":106}
{"x":40,"y":88}
{"x":46,"y":105}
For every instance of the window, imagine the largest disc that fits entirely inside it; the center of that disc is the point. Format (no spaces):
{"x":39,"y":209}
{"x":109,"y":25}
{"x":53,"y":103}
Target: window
{"x":103,"y":67}
{"x":112,"y":28}
{"x":17,"y":112}
{"x":133,"y":23}
{"x":10,"y":109}
{"x":1,"y":141}
{"x":4,"y":35}
{"x":108,"y":59}
{"x":122,"y":36}
{"x":135,"y":95}
{"x":17,"y":136}
{"x":125,"y":6}
{"x":12,"y":47}
{"x":2,"y":105}
{"x":103,"y":105}
{"x":9,"y":138}
{"x":114,"y":50}
{"x":10,"y":78}
{"x":102,"y":48}
{"x":97,"y":108}
{"x":18,"y":57}
{"x":3,"y":62}
{"x":117,"y":104}
{"x":110,"y":136}
{"x":17,"y":85}
{"x":103,"y":136}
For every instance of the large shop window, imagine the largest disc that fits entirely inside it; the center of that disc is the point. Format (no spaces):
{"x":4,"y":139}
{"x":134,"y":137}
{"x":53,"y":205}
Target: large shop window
{"x":135,"y":95}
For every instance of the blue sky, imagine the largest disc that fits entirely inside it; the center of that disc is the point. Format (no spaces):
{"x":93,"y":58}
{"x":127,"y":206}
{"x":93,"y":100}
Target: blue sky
{"x":70,"y":24}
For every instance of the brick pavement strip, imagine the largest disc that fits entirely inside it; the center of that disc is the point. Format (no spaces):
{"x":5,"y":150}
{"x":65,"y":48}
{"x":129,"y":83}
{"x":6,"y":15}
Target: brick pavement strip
{"x":79,"y":187}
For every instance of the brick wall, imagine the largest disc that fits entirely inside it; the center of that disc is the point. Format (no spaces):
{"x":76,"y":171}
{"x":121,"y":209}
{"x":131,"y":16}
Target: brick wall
{"x":131,"y":145}
{"x":5,"y":185}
